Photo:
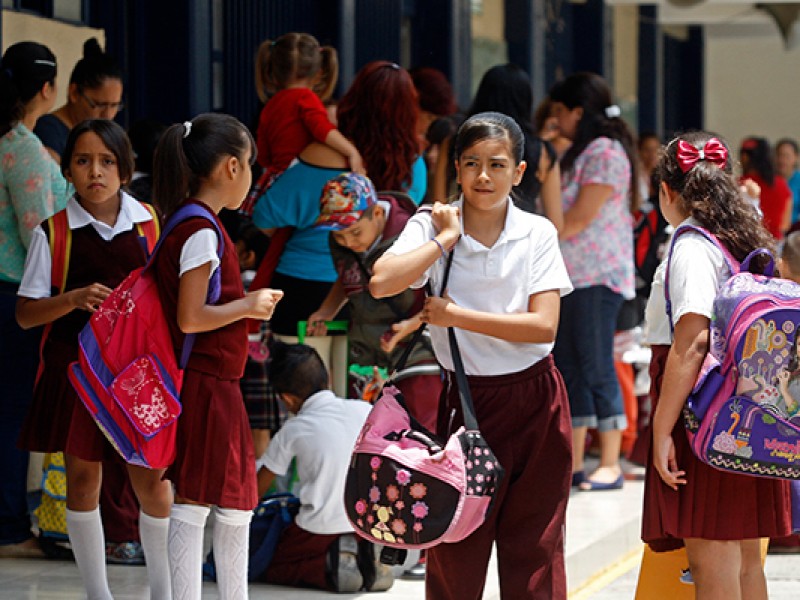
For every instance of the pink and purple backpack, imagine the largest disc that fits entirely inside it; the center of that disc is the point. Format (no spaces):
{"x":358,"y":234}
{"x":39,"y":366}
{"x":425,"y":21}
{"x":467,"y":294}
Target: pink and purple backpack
{"x":743,"y":414}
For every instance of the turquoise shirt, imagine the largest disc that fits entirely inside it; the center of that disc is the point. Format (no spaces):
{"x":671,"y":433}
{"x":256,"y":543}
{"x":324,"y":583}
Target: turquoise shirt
{"x":31,"y":190}
{"x":794,"y":185}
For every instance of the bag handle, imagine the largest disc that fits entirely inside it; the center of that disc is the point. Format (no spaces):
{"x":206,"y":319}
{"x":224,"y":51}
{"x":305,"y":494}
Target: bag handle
{"x":769,"y":268}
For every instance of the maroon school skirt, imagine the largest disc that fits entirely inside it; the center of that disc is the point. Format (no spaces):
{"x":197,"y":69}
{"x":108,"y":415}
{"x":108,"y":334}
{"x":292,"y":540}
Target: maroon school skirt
{"x":57,"y":420}
{"x":713,"y":504}
{"x":215,"y":462}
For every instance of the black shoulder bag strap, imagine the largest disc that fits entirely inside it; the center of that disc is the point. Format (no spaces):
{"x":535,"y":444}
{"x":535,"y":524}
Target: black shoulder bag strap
{"x":467,"y":407}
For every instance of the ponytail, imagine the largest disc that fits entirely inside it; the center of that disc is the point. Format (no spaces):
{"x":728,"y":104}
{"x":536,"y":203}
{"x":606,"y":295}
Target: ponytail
{"x":263,"y":68}
{"x":328,"y":73}
{"x":170,"y":171}
{"x":24,"y":69}
{"x":188,"y":153}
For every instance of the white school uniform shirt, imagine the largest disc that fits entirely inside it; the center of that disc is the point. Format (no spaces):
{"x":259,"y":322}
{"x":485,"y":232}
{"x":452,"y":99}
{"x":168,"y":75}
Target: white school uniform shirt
{"x":36,"y":280}
{"x":321,"y":437}
{"x":525,"y":260}
{"x":696,"y":273}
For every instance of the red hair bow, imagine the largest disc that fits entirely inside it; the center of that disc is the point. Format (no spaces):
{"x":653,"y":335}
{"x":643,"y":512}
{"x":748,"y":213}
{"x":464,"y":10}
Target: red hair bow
{"x":714,"y":151}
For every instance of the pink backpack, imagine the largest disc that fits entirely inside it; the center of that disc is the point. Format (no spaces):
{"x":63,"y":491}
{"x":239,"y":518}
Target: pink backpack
{"x":127,"y":374}
{"x":743,"y":414}
{"x":408,"y":489}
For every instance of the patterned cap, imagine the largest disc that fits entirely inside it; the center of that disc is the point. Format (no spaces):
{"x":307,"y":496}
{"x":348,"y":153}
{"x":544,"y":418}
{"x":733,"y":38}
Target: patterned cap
{"x":344,"y":200}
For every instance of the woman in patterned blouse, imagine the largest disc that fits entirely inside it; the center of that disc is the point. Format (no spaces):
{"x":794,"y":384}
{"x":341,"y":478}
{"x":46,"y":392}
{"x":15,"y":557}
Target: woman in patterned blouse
{"x":31,"y":189}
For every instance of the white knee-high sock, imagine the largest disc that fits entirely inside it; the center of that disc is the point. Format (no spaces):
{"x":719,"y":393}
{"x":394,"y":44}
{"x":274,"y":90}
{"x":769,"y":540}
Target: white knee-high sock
{"x":154,"y":532}
{"x":231,"y":538}
{"x":89,"y":547}
{"x":186,"y":525}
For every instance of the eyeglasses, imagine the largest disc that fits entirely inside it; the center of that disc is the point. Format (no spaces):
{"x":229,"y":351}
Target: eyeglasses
{"x":94,"y":105}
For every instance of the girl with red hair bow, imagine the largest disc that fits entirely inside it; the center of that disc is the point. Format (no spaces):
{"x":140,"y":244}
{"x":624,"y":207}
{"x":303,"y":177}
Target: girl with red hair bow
{"x":717,"y":515}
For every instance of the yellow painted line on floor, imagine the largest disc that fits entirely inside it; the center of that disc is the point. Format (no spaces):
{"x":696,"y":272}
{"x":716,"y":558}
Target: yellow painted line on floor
{"x":604,"y":577}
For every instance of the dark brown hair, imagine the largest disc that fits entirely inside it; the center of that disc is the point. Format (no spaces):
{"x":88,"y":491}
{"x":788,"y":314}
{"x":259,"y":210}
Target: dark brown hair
{"x":295,"y":56}
{"x":711,"y":195}
{"x":113,"y":137}
{"x":25,"y":68}
{"x":188,"y":152}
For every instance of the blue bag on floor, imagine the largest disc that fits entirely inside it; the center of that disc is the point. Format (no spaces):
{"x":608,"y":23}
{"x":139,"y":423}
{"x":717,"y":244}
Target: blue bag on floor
{"x":272,"y":515}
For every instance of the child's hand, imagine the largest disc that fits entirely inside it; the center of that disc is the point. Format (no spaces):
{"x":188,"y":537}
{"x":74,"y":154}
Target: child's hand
{"x":316,"y":324}
{"x":357,"y":163}
{"x":665,"y":463}
{"x":90,"y":297}
{"x":445,"y":218}
{"x":261,"y":303}
{"x":399,"y":331}
{"x":438,"y":311}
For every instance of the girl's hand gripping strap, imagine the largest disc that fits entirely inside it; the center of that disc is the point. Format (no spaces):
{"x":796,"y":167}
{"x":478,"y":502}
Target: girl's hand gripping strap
{"x":730,"y":261}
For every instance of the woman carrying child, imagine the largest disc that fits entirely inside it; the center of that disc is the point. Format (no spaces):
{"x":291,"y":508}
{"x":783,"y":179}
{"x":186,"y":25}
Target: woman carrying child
{"x":206,"y":161}
{"x":503,"y":299}
{"x":717,"y":515}
{"x":105,"y":247}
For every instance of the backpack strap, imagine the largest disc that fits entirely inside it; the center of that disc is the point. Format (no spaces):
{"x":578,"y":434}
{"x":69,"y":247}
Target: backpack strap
{"x":149,"y":231}
{"x":186,"y":211}
{"x":60,"y":238}
{"x":730,"y":261}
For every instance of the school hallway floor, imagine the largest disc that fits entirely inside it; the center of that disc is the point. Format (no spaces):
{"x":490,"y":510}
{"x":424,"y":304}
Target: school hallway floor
{"x":602,"y":550}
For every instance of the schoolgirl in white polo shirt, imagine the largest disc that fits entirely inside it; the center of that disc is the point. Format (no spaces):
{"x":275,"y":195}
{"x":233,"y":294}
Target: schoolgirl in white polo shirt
{"x":503,"y":298}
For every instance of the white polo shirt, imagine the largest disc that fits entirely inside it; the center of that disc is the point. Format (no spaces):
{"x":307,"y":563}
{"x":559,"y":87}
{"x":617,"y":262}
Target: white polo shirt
{"x":525,"y":260}
{"x":322,"y":437}
{"x":696,"y":273}
{"x":36,"y":280}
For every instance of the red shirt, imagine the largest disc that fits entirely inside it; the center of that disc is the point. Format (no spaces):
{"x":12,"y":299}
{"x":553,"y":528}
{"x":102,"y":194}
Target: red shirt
{"x":290,"y":121}
{"x":774,"y":201}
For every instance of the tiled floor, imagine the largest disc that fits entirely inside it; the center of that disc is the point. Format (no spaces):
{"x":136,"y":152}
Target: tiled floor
{"x":602,"y":527}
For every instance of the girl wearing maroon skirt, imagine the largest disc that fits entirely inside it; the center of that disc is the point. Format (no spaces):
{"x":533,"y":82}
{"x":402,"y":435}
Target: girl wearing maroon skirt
{"x":718,"y":516}
{"x":105,"y":247}
{"x":503,"y":299}
{"x":207,"y":161}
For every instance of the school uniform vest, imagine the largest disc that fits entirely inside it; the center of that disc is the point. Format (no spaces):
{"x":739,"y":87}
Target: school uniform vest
{"x":95,"y":260}
{"x":221,"y":352}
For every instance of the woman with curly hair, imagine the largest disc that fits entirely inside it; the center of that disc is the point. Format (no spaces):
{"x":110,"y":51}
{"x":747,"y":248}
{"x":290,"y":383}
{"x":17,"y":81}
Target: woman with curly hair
{"x":775,"y":200}
{"x":379,"y":115}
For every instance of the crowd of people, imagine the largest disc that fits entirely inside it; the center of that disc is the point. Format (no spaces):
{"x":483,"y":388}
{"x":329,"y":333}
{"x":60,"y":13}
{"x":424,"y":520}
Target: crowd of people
{"x":535,"y":221}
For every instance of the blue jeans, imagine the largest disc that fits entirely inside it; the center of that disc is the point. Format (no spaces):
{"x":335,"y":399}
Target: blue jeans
{"x":19,"y":359}
{"x":584,"y":353}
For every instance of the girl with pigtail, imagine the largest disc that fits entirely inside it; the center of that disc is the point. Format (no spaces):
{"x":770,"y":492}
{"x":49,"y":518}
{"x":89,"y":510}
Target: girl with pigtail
{"x":294,"y":76}
{"x":719,"y":516}
{"x":206,"y":162}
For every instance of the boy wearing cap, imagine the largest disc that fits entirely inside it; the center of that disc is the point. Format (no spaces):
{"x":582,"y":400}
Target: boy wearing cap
{"x":363,"y":226}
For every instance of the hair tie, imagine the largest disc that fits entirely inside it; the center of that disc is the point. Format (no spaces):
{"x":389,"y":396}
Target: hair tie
{"x":41,"y":61}
{"x":613,"y":111}
{"x":713,"y":151}
{"x":187,"y":125}
{"x":394,"y":66}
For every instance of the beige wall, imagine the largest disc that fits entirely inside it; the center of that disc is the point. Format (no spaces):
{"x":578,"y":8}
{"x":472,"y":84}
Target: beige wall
{"x":625,"y":77}
{"x":64,"y":40}
{"x":751,"y":83}
{"x":488,"y":41}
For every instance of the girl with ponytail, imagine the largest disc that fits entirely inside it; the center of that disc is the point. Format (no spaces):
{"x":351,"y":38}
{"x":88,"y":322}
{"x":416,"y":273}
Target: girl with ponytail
{"x":294,"y":76}
{"x":717,"y":515}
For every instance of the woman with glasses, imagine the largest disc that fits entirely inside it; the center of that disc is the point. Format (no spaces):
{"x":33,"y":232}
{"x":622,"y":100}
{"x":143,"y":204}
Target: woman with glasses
{"x":95,"y":92}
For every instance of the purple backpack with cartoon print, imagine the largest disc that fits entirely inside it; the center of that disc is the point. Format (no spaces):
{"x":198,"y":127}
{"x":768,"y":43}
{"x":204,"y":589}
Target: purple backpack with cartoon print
{"x":743,"y":414}
{"x":408,"y":489}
